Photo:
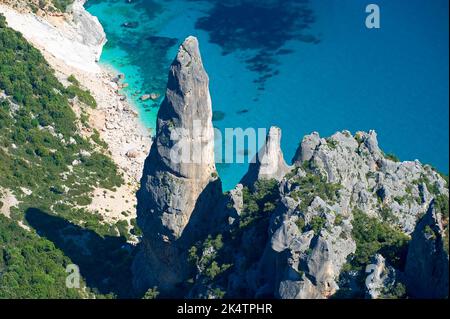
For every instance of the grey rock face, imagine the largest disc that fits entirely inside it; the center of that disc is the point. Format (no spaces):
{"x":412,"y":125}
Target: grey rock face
{"x":307,"y":263}
{"x":269,"y":162}
{"x":427,"y":262}
{"x":173,"y":181}
{"x":180,"y":184}
{"x":307,"y":148}
{"x":367,"y":176}
{"x":316,"y":258}
{"x":380,"y":277}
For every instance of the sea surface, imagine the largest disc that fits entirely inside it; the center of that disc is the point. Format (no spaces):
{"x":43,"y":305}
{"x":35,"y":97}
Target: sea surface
{"x":301,"y":65}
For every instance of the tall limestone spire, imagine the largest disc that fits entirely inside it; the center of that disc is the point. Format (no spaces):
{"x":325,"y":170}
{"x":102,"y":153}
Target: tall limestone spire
{"x":179,"y":186}
{"x":181,"y":162}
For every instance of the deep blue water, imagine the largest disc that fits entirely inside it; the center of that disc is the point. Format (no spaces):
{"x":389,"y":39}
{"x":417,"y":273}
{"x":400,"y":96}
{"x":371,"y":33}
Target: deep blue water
{"x":302,"y":65}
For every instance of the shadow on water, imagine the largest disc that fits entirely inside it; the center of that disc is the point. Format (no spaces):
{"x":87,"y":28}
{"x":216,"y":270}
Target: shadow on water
{"x":104,"y":262}
{"x":263,"y":27}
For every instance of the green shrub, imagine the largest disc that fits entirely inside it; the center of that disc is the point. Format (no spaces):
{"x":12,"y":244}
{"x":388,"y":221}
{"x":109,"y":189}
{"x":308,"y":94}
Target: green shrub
{"x":122,"y":228}
{"x":72,"y":79}
{"x":83,"y":95}
{"x":339,"y":220}
{"x":300,"y":222}
{"x":62,"y":5}
{"x":311,"y":186}
{"x":332,"y":143}
{"x":152,"y":293}
{"x":219,"y":293}
{"x":442,"y":205}
{"x":259,"y":202}
{"x":388,"y":215}
{"x":317,"y":223}
{"x":398,"y":291}
{"x":373,"y":236}
{"x":135,"y":230}
{"x":208,"y":264}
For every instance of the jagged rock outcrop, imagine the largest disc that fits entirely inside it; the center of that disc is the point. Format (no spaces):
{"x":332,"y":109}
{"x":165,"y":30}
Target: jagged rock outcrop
{"x":381,"y":277}
{"x":292,"y":238}
{"x":180,"y":185}
{"x":310,"y":234}
{"x":269,"y":162}
{"x":307,"y":261}
{"x":307,"y":148}
{"x":427,"y":265}
{"x":359,"y":166}
{"x":181,"y":162}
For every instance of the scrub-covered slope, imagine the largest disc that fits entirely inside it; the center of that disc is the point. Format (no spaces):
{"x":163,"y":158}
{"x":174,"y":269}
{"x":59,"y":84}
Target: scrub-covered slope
{"x":50,"y":162}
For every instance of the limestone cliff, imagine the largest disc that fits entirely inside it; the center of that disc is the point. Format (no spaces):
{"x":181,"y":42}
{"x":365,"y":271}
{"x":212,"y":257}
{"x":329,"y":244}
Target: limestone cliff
{"x":89,"y":31}
{"x":76,"y":37}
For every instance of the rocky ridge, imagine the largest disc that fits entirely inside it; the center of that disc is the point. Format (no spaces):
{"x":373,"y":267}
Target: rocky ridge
{"x":299,"y":232}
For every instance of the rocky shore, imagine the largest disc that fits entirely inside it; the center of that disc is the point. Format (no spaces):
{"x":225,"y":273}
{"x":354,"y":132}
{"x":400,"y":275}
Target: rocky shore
{"x":71,"y":44}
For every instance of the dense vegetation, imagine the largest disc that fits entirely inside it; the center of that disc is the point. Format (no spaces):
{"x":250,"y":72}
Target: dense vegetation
{"x":45,"y":5}
{"x":43,"y":158}
{"x":374,"y":236}
{"x":51,"y":168}
{"x":259,"y":202}
{"x":311,"y":186}
{"x":205,"y":256}
{"x":31,"y":267}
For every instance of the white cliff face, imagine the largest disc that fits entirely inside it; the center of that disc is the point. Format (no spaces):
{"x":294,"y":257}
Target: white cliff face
{"x":89,"y":30}
{"x":77,"y":38}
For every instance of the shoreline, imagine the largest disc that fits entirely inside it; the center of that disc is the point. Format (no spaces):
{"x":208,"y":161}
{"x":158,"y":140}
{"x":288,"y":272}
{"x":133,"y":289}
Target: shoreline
{"x":118,"y":124}
{"x":115,"y":118}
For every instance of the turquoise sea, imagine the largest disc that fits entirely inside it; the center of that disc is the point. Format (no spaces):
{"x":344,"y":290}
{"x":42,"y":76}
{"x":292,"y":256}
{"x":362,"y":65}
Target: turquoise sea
{"x":301,"y":65}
